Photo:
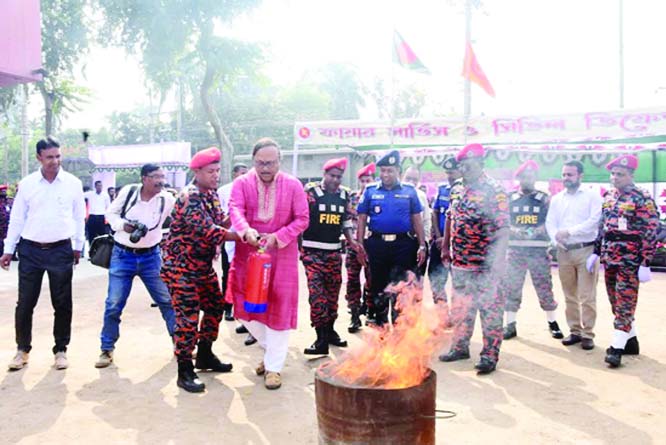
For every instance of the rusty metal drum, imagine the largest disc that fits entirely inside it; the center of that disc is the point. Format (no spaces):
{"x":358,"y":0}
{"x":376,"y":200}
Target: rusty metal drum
{"x":366,"y":416}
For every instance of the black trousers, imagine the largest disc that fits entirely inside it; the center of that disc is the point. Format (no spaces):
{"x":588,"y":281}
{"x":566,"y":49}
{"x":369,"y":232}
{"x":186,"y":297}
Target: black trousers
{"x":58,"y":263}
{"x":95,"y":227}
{"x":389,"y":262}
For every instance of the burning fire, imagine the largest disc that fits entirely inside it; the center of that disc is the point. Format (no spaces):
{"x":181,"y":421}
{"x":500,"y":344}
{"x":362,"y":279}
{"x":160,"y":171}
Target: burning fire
{"x":394,"y":357}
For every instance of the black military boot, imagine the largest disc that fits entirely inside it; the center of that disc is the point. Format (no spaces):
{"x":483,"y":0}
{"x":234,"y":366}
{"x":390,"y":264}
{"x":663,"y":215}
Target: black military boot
{"x":333,"y":337}
{"x":631,"y":348}
{"x":320,"y":346}
{"x":485,"y":366}
{"x":454,"y":356}
{"x":510,"y":330}
{"x":206,"y":360}
{"x":371,"y":318}
{"x":554,"y":329}
{"x":355,"y":324}
{"x":187,"y":378}
{"x":613,"y":357}
{"x":228,"y":312}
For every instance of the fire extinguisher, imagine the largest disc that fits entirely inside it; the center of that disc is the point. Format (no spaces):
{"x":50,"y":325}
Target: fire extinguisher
{"x":258,"y":281}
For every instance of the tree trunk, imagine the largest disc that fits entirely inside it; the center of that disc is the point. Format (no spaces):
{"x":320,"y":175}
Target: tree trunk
{"x":222,"y":139}
{"x":48,"y":109}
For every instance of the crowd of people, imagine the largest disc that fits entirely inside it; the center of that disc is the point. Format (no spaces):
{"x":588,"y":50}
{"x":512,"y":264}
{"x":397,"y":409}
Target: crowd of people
{"x":475,"y":232}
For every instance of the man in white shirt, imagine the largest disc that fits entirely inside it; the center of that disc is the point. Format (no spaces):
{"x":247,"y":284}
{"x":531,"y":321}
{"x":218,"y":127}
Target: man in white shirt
{"x":412,"y":176}
{"x":98,"y":202}
{"x":48,"y":216}
{"x":572,"y":224}
{"x":136,"y":216}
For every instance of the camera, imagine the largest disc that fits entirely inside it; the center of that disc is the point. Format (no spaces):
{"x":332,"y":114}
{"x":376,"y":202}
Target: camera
{"x":140,"y":230}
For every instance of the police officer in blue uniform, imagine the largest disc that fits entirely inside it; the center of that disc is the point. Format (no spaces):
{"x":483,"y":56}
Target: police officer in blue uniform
{"x":397,"y":242}
{"x":437,"y":271}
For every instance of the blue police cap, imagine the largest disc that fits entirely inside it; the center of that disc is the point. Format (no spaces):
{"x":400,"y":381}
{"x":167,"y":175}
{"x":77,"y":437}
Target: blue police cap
{"x":391,"y":159}
{"x":450,"y":163}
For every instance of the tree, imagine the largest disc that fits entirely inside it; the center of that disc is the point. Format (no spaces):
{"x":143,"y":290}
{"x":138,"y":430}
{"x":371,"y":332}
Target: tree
{"x":346,"y":92}
{"x":176,"y":38}
{"x":64,"y":43}
{"x":407,"y":102}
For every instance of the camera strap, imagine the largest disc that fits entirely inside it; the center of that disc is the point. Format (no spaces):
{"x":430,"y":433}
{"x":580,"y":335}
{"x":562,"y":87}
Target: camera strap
{"x":136,"y":198}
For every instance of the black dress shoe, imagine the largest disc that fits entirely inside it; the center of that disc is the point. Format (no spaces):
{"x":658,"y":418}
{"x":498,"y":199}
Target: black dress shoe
{"x":241,"y":329}
{"x":554,"y":329}
{"x":613,"y":357}
{"x":572,"y":339}
{"x":485,"y":366}
{"x":453,"y":356}
{"x":631,"y":348}
{"x":250,"y":340}
{"x":587,"y":344}
{"x":510,"y":331}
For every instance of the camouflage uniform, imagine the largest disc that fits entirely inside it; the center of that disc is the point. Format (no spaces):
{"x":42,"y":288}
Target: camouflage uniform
{"x":5,"y":210}
{"x":477,"y":212}
{"x":195,"y":232}
{"x":627,"y":240}
{"x":353,"y":266}
{"x":321,"y":250}
{"x":528,"y":250}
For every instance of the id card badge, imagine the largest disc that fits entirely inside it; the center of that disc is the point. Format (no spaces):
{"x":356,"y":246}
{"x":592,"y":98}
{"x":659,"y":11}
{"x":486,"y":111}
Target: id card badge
{"x":622,"y":223}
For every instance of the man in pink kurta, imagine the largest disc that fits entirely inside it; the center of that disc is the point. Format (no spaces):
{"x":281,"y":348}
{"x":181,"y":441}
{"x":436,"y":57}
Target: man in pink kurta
{"x":269,"y":206}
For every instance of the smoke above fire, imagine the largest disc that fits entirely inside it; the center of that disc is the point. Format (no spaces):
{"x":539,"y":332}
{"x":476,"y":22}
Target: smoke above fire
{"x":398,"y":356}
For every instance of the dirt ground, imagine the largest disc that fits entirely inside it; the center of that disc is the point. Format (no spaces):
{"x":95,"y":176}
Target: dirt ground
{"x":542,"y":391}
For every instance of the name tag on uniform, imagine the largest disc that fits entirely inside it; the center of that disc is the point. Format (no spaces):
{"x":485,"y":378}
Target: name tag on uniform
{"x":401,"y":196}
{"x":377,"y":196}
{"x":622,"y":223}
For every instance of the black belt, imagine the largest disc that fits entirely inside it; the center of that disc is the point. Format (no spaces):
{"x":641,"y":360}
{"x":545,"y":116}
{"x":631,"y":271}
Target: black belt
{"x":390,"y":237}
{"x":135,"y":250}
{"x":578,"y":245}
{"x":45,"y":246}
{"x":615,"y":236}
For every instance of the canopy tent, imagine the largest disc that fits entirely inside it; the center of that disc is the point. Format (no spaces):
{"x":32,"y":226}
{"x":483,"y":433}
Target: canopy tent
{"x":20,"y":42}
{"x":592,"y":137}
{"x":174,"y":157}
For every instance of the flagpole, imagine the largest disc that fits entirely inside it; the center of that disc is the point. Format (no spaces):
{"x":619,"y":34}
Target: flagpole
{"x":392,"y":94}
{"x":468,"y":86}
{"x":621,"y":48}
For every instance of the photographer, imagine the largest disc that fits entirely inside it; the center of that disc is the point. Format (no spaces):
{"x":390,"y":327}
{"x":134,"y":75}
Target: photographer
{"x":136,"y":216}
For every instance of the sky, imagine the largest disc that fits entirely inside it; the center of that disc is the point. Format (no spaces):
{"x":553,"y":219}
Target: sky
{"x":541,"y":56}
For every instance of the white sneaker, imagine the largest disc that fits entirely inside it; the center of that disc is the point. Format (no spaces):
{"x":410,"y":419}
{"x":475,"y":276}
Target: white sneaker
{"x":61,"y":360}
{"x":19,"y":360}
{"x":104,"y":360}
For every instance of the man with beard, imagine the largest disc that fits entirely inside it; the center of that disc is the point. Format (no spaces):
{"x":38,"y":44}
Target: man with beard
{"x":528,"y":250}
{"x":359,"y":302}
{"x":196,"y":231}
{"x":572,"y":224}
{"x":479,"y":226}
{"x":626,"y":244}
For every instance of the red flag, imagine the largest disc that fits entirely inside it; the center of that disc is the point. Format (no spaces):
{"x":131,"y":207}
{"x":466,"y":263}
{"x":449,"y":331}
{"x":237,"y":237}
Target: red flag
{"x":472,"y":71}
{"x":405,"y":57}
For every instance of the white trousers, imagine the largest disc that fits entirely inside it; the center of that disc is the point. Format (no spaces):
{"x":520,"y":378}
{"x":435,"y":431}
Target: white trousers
{"x":275,"y":344}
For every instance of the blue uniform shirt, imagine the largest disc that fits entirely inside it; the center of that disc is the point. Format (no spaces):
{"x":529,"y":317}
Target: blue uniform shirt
{"x":441,"y":204}
{"x":390,"y":211}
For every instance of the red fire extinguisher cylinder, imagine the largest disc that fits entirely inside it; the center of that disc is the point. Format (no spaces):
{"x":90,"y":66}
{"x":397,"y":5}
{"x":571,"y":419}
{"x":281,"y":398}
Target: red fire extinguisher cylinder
{"x":258,"y":282}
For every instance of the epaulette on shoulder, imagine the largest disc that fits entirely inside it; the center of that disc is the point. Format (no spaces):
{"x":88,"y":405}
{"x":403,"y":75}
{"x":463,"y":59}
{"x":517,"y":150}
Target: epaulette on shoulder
{"x":310,"y":185}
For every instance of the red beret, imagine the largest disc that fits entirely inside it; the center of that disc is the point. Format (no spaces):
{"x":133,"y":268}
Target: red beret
{"x":205,"y":157}
{"x":340,"y":163}
{"x":470,"y":151}
{"x":3,"y":186}
{"x":368,"y":170}
{"x":626,"y":161}
{"x":527,"y":165}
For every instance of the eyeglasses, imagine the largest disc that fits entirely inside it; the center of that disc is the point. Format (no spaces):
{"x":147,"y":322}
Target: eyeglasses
{"x":156,"y":176}
{"x":265,"y":164}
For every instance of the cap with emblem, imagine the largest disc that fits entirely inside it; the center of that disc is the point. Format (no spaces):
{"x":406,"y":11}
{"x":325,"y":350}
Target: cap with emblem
{"x":470,"y":151}
{"x":626,"y":161}
{"x":368,"y":170}
{"x":527,"y":165}
{"x":205,"y":157}
{"x":340,"y":163}
{"x":450,"y":163}
{"x":391,"y":159}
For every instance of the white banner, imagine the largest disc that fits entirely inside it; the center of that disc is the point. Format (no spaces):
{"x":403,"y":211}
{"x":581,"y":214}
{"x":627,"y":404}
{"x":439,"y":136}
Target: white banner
{"x":123,"y":156}
{"x":585,"y":127}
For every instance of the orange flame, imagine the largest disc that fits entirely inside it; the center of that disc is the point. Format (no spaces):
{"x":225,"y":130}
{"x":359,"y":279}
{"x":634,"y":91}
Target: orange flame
{"x":397,"y":357}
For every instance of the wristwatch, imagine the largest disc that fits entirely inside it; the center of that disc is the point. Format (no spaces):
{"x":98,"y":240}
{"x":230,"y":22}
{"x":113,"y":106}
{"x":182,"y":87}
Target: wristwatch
{"x":422,"y":247}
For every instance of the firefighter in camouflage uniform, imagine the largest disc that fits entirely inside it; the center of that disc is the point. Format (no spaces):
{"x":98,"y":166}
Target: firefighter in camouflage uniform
{"x":528,"y":250}
{"x":321,"y":252}
{"x":195,"y":233}
{"x":357,"y":305}
{"x":5,"y":210}
{"x":478,"y":216}
{"x":626,"y":245}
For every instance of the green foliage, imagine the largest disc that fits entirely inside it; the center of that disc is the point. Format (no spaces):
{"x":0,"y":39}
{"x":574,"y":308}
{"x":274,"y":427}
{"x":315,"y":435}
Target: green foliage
{"x":344,"y":88}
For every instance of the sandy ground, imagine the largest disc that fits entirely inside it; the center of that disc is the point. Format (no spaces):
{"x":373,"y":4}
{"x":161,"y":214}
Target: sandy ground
{"x":542,"y":391}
